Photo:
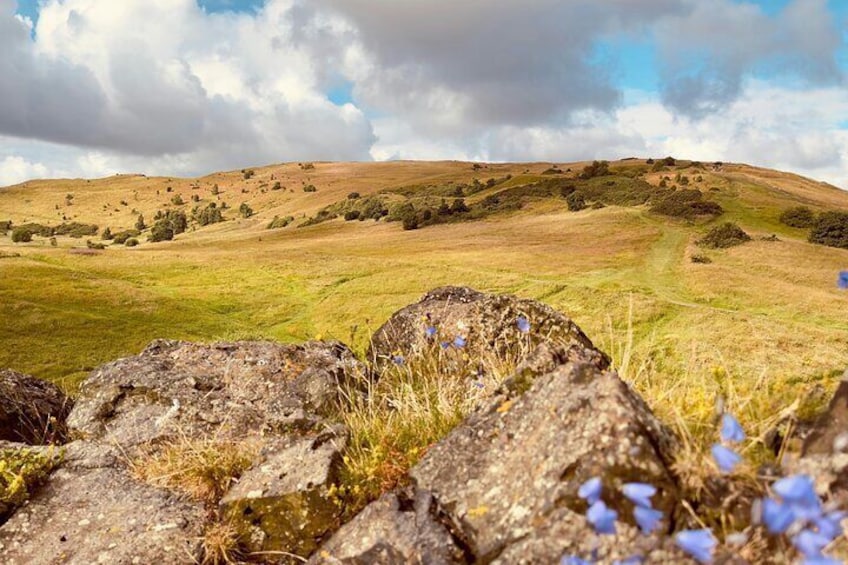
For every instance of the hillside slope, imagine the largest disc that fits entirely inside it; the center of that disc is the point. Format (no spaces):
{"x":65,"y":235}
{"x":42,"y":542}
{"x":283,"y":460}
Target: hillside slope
{"x":758,"y":320}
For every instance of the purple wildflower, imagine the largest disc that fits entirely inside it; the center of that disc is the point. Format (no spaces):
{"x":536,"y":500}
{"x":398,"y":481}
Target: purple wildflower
{"x":459,"y":341}
{"x":430,"y":332}
{"x":810,"y":543}
{"x":639,"y":493}
{"x":523,"y":324}
{"x":590,"y":491}
{"x":648,"y":519}
{"x":602,"y":518}
{"x":777,"y":516}
{"x":697,"y":543}
{"x":842,"y":282}
{"x":731,"y":431}
{"x":725,"y":458}
{"x":798,"y":491}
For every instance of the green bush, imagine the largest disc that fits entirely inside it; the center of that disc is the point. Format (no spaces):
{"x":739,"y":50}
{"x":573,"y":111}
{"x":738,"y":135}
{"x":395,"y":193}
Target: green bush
{"x":176,"y":221}
{"x":5,"y":226}
{"x":798,"y":217}
{"x":351,"y":215}
{"x":245,"y":211}
{"x":459,"y":207}
{"x":75,"y":229}
{"x":310,"y":188}
{"x":248,"y":174}
{"x":353,"y":196}
{"x":21,"y":235}
{"x":209,"y":214}
{"x":107,"y":234}
{"x":121,"y":237}
{"x":724,"y":236}
{"x":279,"y":222}
{"x":831,"y":229}
{"x":139,"y":223}
{"x":596,"y":169}
{"x":701,"y":258}
{"x":162,"y":231}
{"x":410,"y":222}
{"x":177,"y":200}
{"x":687,"y":204}
{"x":131,"y":242}
{"x":92,"y":245}
{"x":575,"y":202}
{"x":37,"y":229}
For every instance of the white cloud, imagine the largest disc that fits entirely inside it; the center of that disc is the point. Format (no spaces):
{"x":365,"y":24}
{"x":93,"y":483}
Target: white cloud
{"x":15,"y":169}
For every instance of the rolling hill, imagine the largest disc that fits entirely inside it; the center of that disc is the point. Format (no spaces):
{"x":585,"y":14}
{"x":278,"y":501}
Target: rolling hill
{"x":762,"y":323}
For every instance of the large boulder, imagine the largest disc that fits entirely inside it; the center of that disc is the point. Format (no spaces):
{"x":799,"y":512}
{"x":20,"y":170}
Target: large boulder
{"x":286,"y":501}
{"x":489,"y":324}
{"x":93,"y":511}
{"x":229,"y":389}
{"x":31,"y":410}
{"x":504,"y":483}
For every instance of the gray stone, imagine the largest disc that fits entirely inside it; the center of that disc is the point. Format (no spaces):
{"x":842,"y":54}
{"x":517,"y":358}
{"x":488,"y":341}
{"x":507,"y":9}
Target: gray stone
{"x":32,"y":411}
{"x":487,"y":322}
{"x":227,"y":389}
{"x":286,"y":501}
{"x":92,"y":511}
{"x":393,"y":529}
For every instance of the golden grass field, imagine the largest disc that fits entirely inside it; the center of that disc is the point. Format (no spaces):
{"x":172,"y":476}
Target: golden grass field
{"x":762,"y":325}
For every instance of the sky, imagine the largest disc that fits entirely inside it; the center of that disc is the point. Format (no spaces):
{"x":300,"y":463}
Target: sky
{"x":90,"y":88}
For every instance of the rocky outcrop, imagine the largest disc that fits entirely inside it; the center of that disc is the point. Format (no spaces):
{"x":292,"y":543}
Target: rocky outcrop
{"x":95,"y":508}
{"x":486,"y":324}
{"x":504,"y":484}
{"x":32,"y":411}
{"x":225,"y":388}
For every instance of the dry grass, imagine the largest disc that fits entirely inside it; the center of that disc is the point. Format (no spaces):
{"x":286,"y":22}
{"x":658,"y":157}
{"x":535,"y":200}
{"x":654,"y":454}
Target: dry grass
{"x":220,"y":545}
{"x":203,"y":469}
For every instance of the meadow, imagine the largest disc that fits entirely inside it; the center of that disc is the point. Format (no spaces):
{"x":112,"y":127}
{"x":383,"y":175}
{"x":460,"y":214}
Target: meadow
{"x":762,"y":326}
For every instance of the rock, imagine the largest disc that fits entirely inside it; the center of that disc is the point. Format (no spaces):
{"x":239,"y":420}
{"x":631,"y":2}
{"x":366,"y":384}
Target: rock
{"x":32,"y":411}
{"x":393,"y":529}
{"x":829,"y":435}
{"x":488,"y":323}
{"x":226,"y":388}
{"x":92,"y":511}
{"x":504,"y":483}
{"x":286,"y":501}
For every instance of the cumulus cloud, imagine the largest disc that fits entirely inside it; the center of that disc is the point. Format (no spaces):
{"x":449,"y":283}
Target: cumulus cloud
{"x":163,"y":87}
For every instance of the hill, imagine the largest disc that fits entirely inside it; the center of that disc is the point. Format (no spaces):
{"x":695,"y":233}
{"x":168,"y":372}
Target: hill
{"x":763,"y":321}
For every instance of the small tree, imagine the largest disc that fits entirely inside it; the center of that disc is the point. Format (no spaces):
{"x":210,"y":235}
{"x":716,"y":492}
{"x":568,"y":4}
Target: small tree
{"x":21,"y":235}
{"x":139,"y":223}
{"x":830,"y":229}
{"x":215,"y":190}
{"x":458,"y":206}
{"x":107,"y":234}
{"x":245,"y":210}
{"x":177,"y":200}
{"x":575,"y":202}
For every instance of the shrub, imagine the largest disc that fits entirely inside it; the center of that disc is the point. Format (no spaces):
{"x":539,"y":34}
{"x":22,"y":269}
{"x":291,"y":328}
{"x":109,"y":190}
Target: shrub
{"x":724,"y":236}
{"x":122,"y":237}
{"x":139,"y":223}
{"x":353,"y":196}
{"x":701,"y":258}
{"x":575,"y":202}
{"x":307,"y":166}
{"x":686,"y":204}
{"x":209,"y":214}
{"x":5,"y":226}
{"x":277,"y":186}
{"x":215,"y":190}
{"x":21,"y":235}
{"x":177,"y":200}
{"x":107,"y":234}
{"x":131,"y":242}
{"x":245,"y":211}
{"x":351,"y":215}
{"x":36,"y":229}
{"x":310,"y":188}
{"x":831,"y":229}
{"x":596,"y":169}
{"x":92,"y":245}
{"x":410,"y":222}
{"x":75,"y":229}
{"x":248,"y":174}
{"x":650,"y":161}
{"x":279,"y":222}
{"x":195,"y":198}
{"x":53,"y":242}
{"x":669,"y":161}
{"x":798,"y":217}
{"x":162,"y":231}
{"x":458,"y":206}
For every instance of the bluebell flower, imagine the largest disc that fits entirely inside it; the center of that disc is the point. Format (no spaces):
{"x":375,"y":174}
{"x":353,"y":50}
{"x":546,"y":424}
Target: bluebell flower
{"x":777,"y":516}
{"x":430,"y":331}
{"x":800,"y":493}
{"x":398,"y":359}
{"x":842,"y":281}
{"x":639,"y":493}
{"x":590,"y":491}
{"x":725,"y":458}
{"x":445,"y":344}
{"x":523,"y":324}
{"x":632,"y":560}
{"x":810,"y":543}
{"x":830,"y":525}
{"x":648,"y":519}
{"x":821,"y":560}
{"x":573,"y":560}
{"x":478,"y":384}
{"x":459,"y":341}
{"x":697,"y":543}
{"x":731,"y":431}
{"x":602,"y":518}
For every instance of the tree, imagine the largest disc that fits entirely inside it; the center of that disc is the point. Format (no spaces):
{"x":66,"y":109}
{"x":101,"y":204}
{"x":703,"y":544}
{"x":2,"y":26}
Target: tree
{"x":458,"y":206}
{"x":139,"y":223}
{"x":245,"y":210}
{"x":107,"y":234}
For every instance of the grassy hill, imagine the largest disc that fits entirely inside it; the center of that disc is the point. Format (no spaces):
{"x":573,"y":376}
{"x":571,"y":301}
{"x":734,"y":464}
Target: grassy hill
{"x":763,"y":324}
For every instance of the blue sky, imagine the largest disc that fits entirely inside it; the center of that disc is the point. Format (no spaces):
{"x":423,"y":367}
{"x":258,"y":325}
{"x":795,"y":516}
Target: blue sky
{"x":96,"y":87}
